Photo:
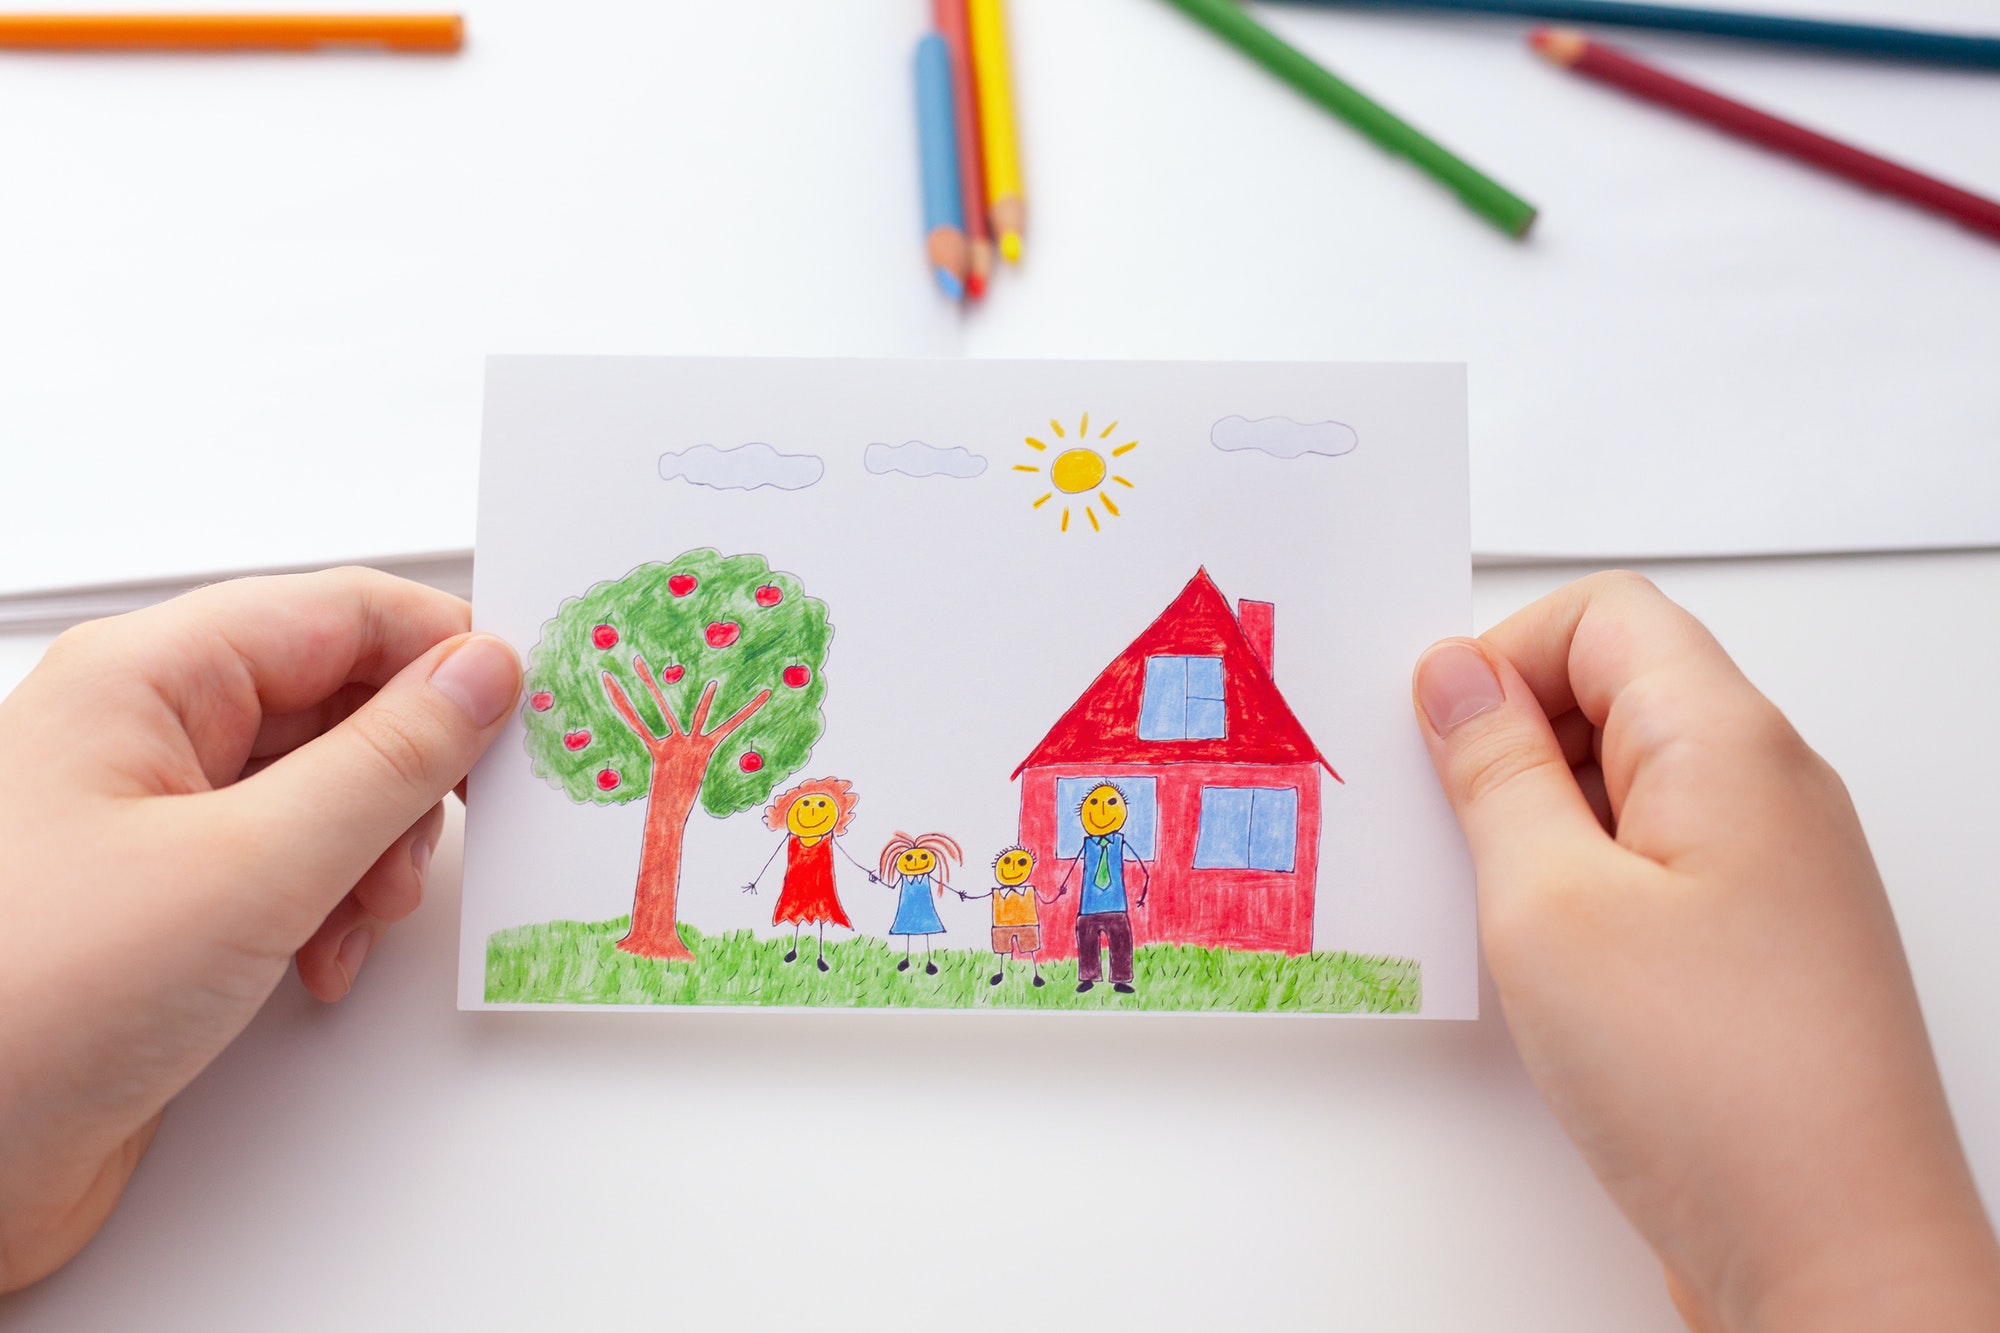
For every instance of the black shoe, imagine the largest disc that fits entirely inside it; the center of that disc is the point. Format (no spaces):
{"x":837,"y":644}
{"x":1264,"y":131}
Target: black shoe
{"x":903,"y":966}
{"x":823,"y":967}
{"x":1121,"y":988}
{"x":930,"y":967}
{"x":1040,"y":982}
{"x":998,"y":977}
{"x":1083,"y":986}
{"x":792,"y":957}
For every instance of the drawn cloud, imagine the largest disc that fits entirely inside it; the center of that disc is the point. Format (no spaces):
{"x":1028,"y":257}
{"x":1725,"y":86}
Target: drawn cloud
{"x":1282,"y":437}
{"x":743,"y":468}
{"x":917,"y":459}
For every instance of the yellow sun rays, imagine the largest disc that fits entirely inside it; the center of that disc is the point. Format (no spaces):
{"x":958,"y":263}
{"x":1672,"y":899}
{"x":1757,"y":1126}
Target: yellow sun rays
{"x":1079,"y":470}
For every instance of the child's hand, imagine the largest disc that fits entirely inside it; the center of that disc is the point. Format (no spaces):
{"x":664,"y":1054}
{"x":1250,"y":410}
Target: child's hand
{"x":1696,"y":958}
{"x":189,"y":795}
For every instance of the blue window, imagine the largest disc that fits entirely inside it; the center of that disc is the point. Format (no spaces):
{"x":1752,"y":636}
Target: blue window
{"x":1183,"y":700}
{"x":1248,"y":828}
{"x":1144,"y":817}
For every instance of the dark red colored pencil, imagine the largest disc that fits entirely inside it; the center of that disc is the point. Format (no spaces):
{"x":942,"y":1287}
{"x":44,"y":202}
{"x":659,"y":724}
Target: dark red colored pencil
{"x":1575,"y":51}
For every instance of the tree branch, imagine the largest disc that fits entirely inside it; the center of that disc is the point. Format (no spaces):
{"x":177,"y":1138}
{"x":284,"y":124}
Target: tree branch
{"x":741,"y":716}
{"x":623,"y":703}
{"x":653,"y":688}
{"x":700,"y":718}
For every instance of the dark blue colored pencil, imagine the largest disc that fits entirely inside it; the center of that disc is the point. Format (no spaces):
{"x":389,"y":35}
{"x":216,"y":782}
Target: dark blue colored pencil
{"x":1976,"y":50}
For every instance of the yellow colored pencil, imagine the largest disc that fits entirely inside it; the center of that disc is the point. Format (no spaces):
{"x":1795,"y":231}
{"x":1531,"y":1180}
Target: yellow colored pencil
{"x":1005,"y":205}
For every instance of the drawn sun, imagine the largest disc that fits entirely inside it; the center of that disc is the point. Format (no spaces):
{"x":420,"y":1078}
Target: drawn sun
{"x":1080,"y":472}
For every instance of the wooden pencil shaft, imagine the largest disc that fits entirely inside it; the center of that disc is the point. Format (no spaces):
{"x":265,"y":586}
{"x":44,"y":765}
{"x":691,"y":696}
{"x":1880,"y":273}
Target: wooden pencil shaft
{"x":230,"y":32}
{"x":1613,"y":67}
{"x":1481,"y":193}
{"x":1977,"y":50}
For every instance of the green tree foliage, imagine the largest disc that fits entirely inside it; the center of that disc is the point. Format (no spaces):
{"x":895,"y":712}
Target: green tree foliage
{"x":699,"y":620}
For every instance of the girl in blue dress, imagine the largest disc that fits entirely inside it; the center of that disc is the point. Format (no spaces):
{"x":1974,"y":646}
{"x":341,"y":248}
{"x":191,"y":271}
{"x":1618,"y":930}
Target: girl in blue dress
{"x":917,"y":869}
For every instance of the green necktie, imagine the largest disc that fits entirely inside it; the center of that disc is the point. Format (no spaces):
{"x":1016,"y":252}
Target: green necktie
{"x":1103,"y":879}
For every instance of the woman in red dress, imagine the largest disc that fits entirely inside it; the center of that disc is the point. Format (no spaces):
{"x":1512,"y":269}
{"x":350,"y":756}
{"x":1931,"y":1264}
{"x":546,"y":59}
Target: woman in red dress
{"x":813,"y":815}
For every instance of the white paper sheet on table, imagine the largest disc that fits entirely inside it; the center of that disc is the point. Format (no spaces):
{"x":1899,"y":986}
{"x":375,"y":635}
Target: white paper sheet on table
{"x":1287,"y":538}
{"x":248,"y":298}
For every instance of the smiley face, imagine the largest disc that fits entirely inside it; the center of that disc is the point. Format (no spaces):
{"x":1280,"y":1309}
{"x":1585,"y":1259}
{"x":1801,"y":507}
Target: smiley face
{"x":1103,"y":810}
{"x":916,"y":861}
{"x":812,"y":817}
{"x":1014,"y":867}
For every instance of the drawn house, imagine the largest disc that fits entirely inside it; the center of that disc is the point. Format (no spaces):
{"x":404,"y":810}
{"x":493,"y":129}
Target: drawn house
{"x":1222,"y":780}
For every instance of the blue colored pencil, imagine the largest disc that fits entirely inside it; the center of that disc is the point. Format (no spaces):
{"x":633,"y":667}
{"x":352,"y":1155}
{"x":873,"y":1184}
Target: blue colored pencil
{"x":1977,"y":50}
{"x":937,"y":140}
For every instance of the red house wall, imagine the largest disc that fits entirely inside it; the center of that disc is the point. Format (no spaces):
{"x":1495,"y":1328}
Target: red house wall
{"x":1236,"y":909}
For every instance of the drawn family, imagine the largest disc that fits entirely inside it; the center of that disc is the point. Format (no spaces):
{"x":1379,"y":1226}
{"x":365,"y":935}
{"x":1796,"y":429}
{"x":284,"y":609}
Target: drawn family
{"x":814,"y":815}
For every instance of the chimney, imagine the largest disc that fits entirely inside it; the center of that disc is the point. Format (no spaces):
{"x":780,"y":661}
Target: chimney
{"x":1259,"y":622}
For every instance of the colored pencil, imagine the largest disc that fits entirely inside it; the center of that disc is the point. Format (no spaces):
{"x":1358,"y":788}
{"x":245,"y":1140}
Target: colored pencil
{"x":949,"y":16}
{"x":1592,"y":60}
{"x":1979,"y":50}
{"x":1006,"y":206}
{"x":231,"y":32}
{"x":937,"y":140}
{"x":1484,"y":195}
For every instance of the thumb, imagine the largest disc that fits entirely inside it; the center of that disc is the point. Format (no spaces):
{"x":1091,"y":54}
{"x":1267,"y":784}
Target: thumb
{"x":1500,"y":764}
{"x":327,"y":810}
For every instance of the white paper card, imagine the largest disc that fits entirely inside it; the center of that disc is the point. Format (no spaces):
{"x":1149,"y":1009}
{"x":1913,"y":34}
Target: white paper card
{"x":982,"y":685}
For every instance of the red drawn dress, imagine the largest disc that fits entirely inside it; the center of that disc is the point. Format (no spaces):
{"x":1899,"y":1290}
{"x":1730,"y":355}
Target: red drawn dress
{"x":808,"y":897}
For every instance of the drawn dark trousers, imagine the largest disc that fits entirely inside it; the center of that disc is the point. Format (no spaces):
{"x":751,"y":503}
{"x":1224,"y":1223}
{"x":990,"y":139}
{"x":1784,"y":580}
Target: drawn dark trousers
{"x":1115,"y":926}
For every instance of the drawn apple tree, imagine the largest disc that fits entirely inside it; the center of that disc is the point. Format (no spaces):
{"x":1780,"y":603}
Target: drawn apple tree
{"x":697,"y":679}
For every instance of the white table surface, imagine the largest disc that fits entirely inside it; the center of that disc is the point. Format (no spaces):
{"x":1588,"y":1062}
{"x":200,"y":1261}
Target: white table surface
{"x":391,"y":1163}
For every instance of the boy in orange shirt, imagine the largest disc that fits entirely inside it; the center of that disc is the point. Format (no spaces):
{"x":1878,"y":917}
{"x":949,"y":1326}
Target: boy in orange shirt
{"x":1016,"y":918}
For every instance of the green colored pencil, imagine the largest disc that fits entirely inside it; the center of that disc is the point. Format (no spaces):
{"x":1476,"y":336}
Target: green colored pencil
{"x":1484,"y":195}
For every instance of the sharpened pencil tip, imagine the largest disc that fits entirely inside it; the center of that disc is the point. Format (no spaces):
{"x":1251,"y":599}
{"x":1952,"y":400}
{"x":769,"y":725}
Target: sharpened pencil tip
{"x":1562,"y":45}
{"x":949,"y":284}
{"x":1010,"y":246}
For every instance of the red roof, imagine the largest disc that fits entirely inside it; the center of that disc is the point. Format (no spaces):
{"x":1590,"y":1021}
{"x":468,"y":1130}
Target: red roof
{"x":1102,"y":727}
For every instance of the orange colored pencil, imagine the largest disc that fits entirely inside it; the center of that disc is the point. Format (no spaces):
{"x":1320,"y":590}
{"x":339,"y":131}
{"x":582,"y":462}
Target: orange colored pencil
{"x":230,"y":32}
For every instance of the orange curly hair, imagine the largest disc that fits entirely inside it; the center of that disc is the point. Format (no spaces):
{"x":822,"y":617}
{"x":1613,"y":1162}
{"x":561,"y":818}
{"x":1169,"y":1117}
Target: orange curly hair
{"x":840,"y":789}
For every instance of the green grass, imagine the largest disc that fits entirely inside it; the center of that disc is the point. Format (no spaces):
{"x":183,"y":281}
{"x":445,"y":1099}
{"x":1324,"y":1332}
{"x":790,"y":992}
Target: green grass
{"x":576,"y":962}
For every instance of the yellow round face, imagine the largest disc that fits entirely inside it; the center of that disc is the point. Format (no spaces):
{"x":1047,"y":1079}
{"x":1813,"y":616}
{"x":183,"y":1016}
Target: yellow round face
{"x":916,"y":861}
{"x":1078,"y":470}
{"x":1103,"y":811}
{"x":1013,"y":868}
{"x":812,"y":816}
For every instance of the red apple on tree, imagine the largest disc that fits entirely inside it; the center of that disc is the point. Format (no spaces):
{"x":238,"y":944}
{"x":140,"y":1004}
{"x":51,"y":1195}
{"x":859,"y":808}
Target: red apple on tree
{"x":673,"y":673}
{"x":575,"y":740}
{"x":797,"y":675}
{"x":680,"y":585}
{"x":770,"y":595}
{"x":607,"y":779}
{"x":723,"y":633}
{"x":541,"y":701}
{"x":604,"y":637}
{"x":750,"y":762}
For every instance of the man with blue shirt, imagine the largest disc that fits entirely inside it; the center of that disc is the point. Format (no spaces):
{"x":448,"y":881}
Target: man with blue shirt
{"x":1102,"y":914}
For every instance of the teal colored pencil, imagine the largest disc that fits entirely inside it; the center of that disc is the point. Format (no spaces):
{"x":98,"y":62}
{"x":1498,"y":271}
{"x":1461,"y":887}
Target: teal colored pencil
{"x":1484,"y":195}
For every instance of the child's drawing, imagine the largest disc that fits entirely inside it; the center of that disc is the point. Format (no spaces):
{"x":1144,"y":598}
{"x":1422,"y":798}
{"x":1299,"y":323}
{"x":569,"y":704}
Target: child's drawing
{"x":1060,"y":642}
{"x":812,"y":816}
{"x":1080,"y":470}
{"x":1017,"y":928}
{"x":1282,"y":437}
{"x":1180,"y":783}
{"x":698,"y":678}
{"x":916,"y":867}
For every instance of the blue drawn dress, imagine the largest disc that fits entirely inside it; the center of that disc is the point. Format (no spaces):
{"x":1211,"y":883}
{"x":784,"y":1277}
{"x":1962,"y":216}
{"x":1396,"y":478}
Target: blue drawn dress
{"x":916,"y":914}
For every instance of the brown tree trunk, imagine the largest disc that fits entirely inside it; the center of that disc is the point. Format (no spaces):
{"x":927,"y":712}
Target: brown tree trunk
{"x":679,"y":764}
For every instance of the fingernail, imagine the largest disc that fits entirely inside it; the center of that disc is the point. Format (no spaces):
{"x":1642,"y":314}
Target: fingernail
{"x":1455,"y":683}
{"x":353,"y":952}
{"x":420,"y":859}
{"x":481,"y":676}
